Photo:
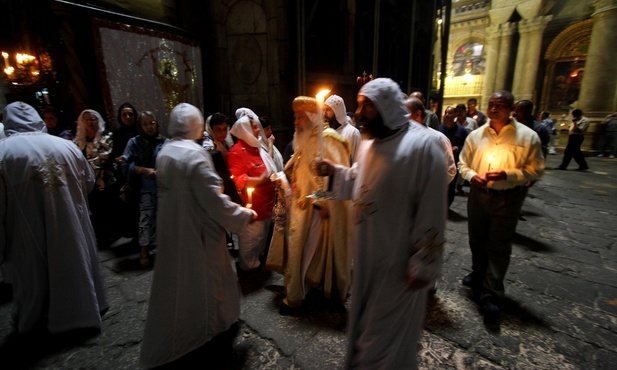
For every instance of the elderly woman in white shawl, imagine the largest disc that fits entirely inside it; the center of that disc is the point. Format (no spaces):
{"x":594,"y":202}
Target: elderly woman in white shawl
{"x":195,"y":294}
{"x":251,"y":167}
{"x":96,"y":144}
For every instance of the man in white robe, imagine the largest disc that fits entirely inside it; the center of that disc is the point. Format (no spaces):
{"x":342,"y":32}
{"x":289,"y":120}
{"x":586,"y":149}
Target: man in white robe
{"x":335,"y":114}
{"x":195,"y":294}
{"x":47,"y":243}
{"x":398,"y":229}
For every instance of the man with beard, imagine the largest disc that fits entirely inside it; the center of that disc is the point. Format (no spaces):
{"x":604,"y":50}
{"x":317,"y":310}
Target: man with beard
{"x":335,"y":113}
{"x":314,"y":251}
{"x":398,"y":228}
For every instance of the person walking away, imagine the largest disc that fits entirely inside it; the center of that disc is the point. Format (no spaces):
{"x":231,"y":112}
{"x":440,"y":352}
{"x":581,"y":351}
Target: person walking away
{"x":195,"y":297}
{"x":47,"y":243}
{"x":577,"y":130}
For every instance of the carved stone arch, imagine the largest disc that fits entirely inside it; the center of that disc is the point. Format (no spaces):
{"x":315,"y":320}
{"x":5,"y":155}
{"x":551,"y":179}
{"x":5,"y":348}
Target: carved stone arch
{"x":571,"y":42}
{"x":565,"y":65}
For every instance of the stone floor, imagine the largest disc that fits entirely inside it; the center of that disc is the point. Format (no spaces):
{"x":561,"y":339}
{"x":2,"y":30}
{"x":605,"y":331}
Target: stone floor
{"x":560,"y":312}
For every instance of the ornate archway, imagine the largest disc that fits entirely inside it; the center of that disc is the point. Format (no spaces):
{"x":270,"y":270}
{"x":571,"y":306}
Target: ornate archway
{"x":565,"y":66}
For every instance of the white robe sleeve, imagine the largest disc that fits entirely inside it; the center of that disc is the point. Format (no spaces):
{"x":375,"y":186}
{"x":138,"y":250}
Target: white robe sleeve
{"x":342,"y":181}
{"x":211,"y":199}
{"x":429,"y":220}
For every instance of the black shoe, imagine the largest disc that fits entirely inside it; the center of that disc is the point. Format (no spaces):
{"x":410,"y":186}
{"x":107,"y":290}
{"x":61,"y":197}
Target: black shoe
{"x":560,"y":168}
{"x":489,"y":307}
{"x":288,"y":310}
{"x":582,"y":169}
{"x":470,"y":282}
{"x":433,"y":290}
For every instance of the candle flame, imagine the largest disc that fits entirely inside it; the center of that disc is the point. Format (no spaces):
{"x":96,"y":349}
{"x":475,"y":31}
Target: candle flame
{"x":321,"y":95}
{"x":490,"y":158}
{"x":249,"y":191}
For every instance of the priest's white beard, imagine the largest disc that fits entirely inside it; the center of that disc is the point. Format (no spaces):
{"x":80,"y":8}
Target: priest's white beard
{"x":301,"y":138}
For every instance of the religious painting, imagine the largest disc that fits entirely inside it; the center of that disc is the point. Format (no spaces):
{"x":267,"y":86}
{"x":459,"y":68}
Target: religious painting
{"x":151,"y":69}
{"x":565,"y":84}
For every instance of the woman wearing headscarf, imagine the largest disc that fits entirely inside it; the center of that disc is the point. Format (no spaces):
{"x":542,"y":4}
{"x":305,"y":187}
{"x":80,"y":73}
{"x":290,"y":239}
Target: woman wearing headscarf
{"x":251,"y":167}
{"x":195,"y":294}
{"x":47,"y":244}
{"x":96,"y":144}
{"x":127,"y":211}
{"x":138,"y":161}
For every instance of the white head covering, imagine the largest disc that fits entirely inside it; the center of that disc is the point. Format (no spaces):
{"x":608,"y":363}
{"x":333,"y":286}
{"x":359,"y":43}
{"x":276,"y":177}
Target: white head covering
{"x":338,"y":106}
{"x":243,"y":130}
{"x":389,"y":100}
{"x":186,"y":122}
{"x":80,"y":136}
{"x":21,"y":117}
{"x":247,"y":112}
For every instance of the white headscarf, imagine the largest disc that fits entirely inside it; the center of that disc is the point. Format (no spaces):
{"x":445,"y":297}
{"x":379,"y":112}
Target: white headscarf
{"x":186,"y":122}
{"x":389,"y":100}
{"x":247,"y":112}
{"x":243,"y":130}
{"x":337,"y":104}
{"x":80,"y":136}
{"x":21,"y":117}
{"x":262,"y":135}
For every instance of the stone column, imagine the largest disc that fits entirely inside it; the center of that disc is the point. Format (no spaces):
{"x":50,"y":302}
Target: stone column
{"x":507,"y":29}
{"x":528,"y":56}
{"x":492,"y":53}
{"x":598,"y":92}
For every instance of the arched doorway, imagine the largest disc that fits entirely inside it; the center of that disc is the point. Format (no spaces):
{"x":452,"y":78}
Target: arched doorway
{"x":565,"y":67}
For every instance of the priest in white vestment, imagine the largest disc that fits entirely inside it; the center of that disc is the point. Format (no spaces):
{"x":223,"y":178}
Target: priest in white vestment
{"x":312,"y":247}
{"x":195,"y":293}
{"x":47,"y":244}
{"x":398,"y":220}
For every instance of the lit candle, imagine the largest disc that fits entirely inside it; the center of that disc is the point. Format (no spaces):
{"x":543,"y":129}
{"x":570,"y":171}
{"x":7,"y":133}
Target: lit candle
{"x":5,"y":55}
{"x":320,"y":98}
{"x":490,"y":161}
{"x":249,"y":192}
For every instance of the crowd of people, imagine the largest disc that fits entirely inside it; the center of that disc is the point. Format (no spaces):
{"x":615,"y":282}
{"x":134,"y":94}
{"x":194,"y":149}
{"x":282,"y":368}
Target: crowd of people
{"x":349,"y":212}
